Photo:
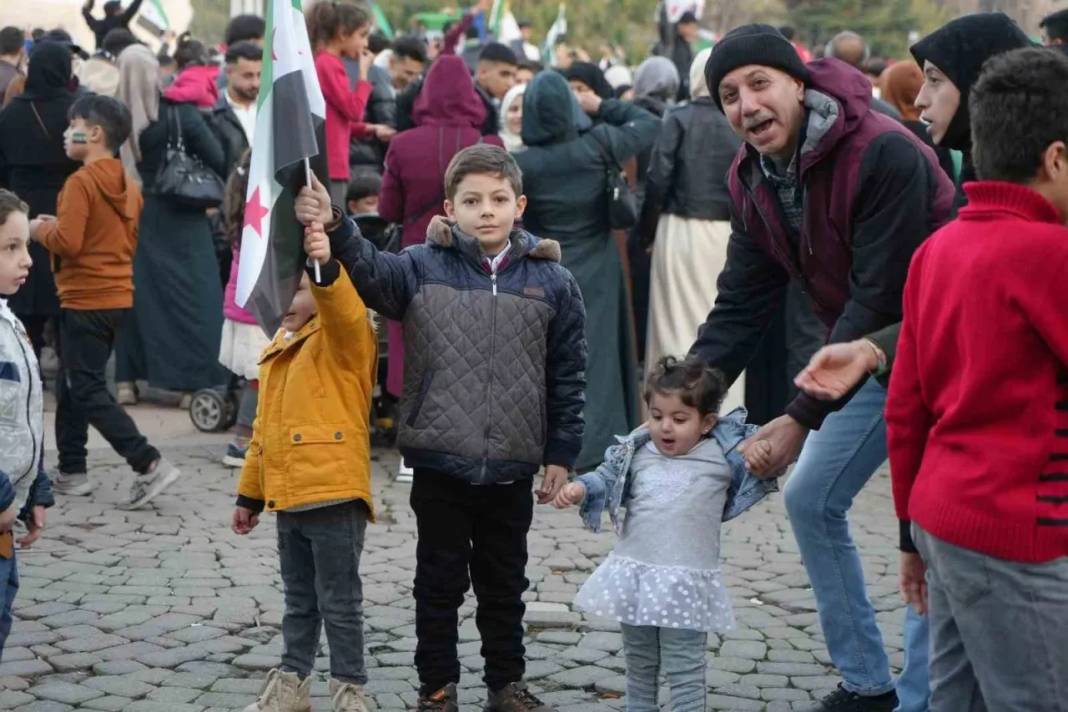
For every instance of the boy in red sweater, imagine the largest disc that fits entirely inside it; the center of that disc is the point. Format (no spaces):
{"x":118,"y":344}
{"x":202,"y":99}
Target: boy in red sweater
{"x":977,"y":413}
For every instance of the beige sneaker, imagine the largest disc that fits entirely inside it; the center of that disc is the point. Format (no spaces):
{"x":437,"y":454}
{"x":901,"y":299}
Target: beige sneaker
{"x":347,"y":697}
{"x":283,"y":692}
{"x":126,"y":393}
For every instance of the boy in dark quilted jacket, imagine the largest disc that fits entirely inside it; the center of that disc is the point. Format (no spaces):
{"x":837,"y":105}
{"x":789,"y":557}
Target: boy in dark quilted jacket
{"x":495,"y":360}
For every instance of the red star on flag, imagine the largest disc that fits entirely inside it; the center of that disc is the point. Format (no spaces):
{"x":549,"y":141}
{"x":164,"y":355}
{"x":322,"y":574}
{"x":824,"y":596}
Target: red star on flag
{"x":255,"y":212}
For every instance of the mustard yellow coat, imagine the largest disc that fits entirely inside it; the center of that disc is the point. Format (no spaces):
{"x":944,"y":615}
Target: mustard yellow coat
{"x":311,"y":438}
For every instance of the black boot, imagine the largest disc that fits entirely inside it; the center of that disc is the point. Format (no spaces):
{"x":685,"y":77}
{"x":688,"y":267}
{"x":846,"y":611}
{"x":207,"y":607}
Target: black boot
{"x":842,"y":700}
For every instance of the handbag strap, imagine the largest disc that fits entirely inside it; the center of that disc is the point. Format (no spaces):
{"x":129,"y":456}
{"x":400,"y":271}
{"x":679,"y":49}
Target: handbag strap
{"x":40,"y":121}
{"x":179,"y":142}
{"x":606,"y":150}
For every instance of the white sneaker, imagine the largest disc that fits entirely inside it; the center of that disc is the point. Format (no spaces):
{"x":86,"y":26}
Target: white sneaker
{"x":146,"y":486}
{"x":347,"y":697}
{"x":126,"y":393}
{"x":283,"y":692}
{"x":404,"y":473}
{"x":77,"y":484}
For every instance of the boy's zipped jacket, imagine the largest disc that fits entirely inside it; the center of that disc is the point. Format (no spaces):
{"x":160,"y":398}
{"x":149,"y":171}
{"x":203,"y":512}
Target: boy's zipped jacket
{"x":310,"y":442}
{"x":609,"y":485}
{"x":495,"y":360}
{"x":22,"y":477}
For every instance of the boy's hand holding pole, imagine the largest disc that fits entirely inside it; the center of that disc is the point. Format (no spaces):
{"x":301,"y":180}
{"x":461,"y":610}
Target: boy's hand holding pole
{"x":316,"y":243}
{"x":313,"y":203}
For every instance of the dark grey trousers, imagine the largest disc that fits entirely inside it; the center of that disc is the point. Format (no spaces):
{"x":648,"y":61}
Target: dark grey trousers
{"x":320,"y":555}
{"x":999,"y":630}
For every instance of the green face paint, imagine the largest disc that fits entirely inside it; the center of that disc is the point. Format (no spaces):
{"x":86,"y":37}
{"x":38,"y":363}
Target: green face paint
{"x":78,"y":137}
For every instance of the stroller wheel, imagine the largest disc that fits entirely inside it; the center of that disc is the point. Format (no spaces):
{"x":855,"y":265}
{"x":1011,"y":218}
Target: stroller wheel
{"x":233,"y":403}
{"x":208,"y":411}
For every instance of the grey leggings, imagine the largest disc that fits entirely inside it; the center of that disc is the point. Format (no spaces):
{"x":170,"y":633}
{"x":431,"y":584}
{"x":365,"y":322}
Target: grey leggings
{"x":679,"y":653}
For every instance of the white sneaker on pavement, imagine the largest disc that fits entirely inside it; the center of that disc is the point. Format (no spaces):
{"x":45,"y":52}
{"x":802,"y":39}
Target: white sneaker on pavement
{"x":283,"y":692}
{"x":404,"y":473}
{"x":162,"y":475}
{"x":77,"y":484}
{"x":347,"y":697}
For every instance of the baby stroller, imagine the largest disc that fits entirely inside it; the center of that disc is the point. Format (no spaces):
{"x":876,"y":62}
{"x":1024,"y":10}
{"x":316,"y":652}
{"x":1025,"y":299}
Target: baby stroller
{"x":214,"y":410}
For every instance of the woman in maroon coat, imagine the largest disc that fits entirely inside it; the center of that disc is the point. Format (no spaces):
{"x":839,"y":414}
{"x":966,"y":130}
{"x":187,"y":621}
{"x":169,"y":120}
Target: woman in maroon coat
{"x":448,"y":117}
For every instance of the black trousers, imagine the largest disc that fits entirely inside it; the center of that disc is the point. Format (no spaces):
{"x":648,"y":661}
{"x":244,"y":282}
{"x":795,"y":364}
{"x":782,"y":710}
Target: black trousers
{"x":86,"y":339}
{"x":468,"y":535}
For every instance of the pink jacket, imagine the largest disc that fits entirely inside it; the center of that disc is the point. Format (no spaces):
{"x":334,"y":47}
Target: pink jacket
{"x":195,"y":85}
{"x":344,"y":111}
{"x":230,"y":309}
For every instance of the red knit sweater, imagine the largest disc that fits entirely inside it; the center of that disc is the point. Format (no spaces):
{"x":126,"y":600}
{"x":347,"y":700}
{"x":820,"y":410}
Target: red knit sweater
{"x":977,"y":414}
{"x":344,"y":111}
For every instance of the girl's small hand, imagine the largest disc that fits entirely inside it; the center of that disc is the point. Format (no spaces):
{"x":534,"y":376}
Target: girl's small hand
{"x":316,"y":243}
{"x":758,"y":456}
{"x":571,"y":494}
{"x":366,"y":61}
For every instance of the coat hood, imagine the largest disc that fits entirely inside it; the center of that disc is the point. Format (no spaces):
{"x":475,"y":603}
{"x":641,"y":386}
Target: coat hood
{"x":838,"y":99}
{"x":448,"y":97}
{"x":551,"y":113}
{"x":49,"y":74}
{"x":959,"y":49}
{"x":110,"y":179}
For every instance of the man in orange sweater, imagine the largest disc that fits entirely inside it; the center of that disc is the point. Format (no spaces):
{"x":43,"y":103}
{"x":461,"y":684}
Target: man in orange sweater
{"x":92,"y":241}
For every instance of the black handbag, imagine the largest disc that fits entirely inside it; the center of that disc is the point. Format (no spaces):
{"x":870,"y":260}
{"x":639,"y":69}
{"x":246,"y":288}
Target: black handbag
{"x":183,"y":178}
{"x":622,"y":205}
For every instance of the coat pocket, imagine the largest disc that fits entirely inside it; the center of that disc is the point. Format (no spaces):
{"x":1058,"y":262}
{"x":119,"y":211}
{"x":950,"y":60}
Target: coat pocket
{"x":420,"y":398}
{"x":320,"y":457}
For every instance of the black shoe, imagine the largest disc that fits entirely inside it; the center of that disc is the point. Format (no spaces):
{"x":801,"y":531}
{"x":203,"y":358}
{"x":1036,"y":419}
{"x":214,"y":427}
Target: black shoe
{"x":842,"y":700}
{"x":515,"y":697}
{"x":444,"y":700}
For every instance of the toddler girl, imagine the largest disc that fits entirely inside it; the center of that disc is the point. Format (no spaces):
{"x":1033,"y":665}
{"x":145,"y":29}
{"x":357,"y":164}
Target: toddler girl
{"x":679,"y":476}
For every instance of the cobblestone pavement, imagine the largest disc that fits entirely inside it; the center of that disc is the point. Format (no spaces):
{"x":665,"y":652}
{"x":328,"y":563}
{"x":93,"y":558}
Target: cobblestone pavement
{"x":166,"y":610}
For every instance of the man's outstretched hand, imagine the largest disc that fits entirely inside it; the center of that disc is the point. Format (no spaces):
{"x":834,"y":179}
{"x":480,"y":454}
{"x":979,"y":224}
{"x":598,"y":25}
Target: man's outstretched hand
{"x":836,"y":369}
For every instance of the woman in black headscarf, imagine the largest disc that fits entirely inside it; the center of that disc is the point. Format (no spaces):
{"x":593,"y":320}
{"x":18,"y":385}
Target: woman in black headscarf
{"x":588,"y":77}
{"x":34,"y":165}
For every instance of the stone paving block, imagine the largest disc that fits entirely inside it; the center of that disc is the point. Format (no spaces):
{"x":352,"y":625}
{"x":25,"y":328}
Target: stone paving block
{"x":583,"y":677}
{"x":154,"y":706}
{"x":65,"y":692}
{"x":723,"y":702}
{"x":43,"y":706}
{"x":118,"y":667}
{"x":174,"y":694}
{"x":222,"y":699}
{"x":9,"y":699}
{"x":25,"y":668}
{"x":108,"y":703}
{"x":91,"y":644}
{"x":74,"y":661}
{"x":121,"y":685}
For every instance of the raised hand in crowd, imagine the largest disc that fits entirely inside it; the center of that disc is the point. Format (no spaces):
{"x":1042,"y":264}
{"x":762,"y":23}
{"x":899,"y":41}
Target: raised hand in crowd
{"x":590,"y":103}
{"x":571,"y":494}
{"x":837,"y":368}
{"x":785,"y":436}
{"x":313,"y":204}
{"x":551,"y":485}
{"x":35,"y":524}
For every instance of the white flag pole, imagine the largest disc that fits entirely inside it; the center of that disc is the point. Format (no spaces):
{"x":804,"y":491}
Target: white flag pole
{"x":308,"y":181}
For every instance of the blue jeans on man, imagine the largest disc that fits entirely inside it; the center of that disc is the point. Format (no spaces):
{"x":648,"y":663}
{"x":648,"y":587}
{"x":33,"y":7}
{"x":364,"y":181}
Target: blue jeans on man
{"x":835,"y":464}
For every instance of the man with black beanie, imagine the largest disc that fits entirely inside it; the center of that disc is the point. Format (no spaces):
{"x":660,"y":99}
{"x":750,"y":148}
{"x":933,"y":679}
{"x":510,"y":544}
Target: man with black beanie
{"x":1055,"y":29}
{"x":836,"y":197}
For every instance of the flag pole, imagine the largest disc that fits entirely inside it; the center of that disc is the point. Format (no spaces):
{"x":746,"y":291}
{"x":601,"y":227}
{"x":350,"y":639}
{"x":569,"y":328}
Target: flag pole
{"x":308,"y":182}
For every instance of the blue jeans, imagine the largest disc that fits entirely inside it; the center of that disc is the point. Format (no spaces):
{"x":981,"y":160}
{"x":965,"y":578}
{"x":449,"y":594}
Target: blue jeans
{"x":835,"y":464}
{"x":9,"y":586}
{"x":679,"y":653}
{"x":914,"y":683}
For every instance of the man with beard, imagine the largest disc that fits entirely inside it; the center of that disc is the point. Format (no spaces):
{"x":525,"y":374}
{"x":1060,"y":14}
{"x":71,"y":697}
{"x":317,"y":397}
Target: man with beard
{"x":835,"y":196}
{"x":234,"y":114}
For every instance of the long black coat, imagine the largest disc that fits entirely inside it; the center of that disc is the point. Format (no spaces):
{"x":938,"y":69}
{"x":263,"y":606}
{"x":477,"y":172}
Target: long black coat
{"x":34,"y":164}
{"x":565,"y":180}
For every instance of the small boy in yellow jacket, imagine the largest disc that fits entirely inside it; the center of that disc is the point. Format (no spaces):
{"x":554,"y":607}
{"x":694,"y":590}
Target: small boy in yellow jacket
{"x":309,"y":461}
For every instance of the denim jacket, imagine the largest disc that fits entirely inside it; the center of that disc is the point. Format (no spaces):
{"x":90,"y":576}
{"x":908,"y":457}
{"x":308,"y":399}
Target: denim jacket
{"x":608,"y":484}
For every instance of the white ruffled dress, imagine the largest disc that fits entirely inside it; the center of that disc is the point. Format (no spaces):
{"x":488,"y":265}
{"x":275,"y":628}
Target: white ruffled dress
{"x":665,"y":569}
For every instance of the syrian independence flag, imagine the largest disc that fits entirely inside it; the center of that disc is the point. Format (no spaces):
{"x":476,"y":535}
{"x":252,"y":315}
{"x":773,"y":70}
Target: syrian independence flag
{"x":556,"y":31}
{"x":289,"y":129}
{"x":154,"y":18}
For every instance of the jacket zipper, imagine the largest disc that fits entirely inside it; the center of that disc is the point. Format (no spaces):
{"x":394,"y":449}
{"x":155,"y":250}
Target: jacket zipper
{"x":29,"y":400}
{"x":489,"y":379}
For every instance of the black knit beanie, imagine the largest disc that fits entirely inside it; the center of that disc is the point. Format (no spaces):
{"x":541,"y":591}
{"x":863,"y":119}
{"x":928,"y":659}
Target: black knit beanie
{"x":752,"y":44}
{"x":959,"y":48}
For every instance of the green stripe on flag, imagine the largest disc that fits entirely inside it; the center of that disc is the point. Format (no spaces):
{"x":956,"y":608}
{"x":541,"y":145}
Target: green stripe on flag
{"x":381,"y":21}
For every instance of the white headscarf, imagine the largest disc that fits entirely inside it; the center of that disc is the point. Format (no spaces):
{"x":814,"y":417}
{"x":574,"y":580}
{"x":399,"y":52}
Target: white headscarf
{"x":139,"y":90}
{"x":617,"y":76}
{"x":698,"y":83}
{"x":512,"y":141}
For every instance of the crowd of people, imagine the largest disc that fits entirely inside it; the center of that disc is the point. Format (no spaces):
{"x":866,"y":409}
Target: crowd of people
{"x":588,"y":269}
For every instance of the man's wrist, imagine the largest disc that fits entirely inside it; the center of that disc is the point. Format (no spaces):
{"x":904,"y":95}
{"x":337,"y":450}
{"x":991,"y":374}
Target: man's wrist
{"x":876,"y":361}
